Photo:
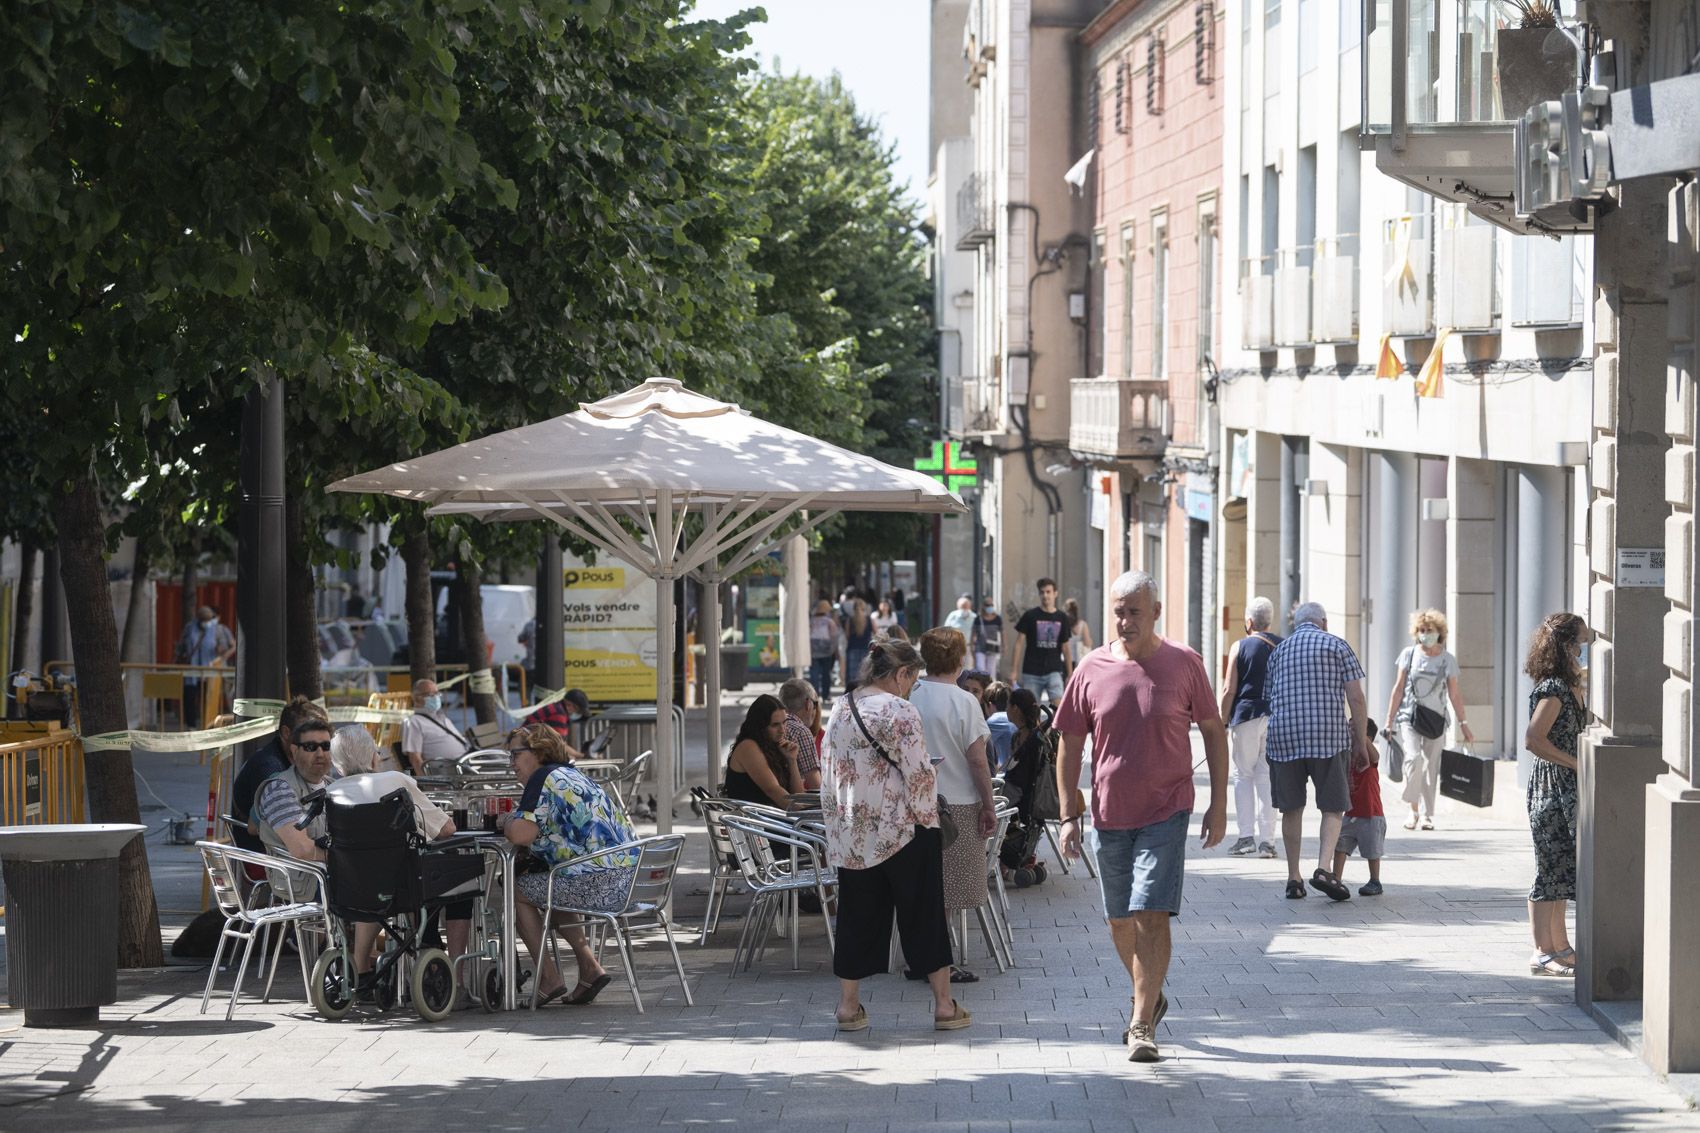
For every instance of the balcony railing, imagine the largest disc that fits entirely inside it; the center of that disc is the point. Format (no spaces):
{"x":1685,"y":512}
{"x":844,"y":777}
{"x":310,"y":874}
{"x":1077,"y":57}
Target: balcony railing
{"x":1334,"y":287}
{"x":1257,"y":303}
{"x":974,"y":218}
{"x":1118,"y":419}
{"x":1407,"y":276}
{"x":1465,"y":269}
{"x":974,"y":406}
{"x":1292,"y":297}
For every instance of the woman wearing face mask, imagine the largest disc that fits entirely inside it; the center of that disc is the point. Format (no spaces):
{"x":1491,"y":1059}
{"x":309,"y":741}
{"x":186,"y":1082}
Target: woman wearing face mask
{"x":1558,"y":655}
{"x":1427,"y":680}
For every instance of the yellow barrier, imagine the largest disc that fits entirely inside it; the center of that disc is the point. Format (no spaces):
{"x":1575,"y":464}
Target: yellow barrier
{"x":41,"y":780}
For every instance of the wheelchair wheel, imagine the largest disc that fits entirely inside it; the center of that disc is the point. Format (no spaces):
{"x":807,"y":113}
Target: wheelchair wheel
{"x":490,"y":989}
{"x":1023,"y":877}
{"x":332,"y":985}
{"x":1039,"y":873}
{"x":433,"y":985}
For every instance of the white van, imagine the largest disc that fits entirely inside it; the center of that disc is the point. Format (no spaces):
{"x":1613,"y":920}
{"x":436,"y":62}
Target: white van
{"x":506,"y":611}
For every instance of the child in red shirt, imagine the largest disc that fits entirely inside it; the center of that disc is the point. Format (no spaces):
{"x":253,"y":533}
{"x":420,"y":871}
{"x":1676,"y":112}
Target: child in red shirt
{"x":1364,"y":828}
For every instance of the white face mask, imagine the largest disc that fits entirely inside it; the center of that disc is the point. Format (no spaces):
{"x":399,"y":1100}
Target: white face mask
{"x":1428,"y":639}
{"x":434,"y":703}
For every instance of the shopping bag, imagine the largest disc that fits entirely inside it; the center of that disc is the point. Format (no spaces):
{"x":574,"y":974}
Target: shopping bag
{"x":1395,"y":762}
{"x":1466,"y":777}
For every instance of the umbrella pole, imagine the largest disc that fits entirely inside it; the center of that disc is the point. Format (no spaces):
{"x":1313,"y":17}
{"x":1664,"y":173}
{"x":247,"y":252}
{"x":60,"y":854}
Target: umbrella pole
{"x":708,"y":626}
{"x":666,"y":629}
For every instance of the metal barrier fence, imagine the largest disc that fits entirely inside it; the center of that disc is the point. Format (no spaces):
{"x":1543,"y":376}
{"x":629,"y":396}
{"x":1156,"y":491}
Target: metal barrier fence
{"x":633,"y":728}
{"x":41,"y":778}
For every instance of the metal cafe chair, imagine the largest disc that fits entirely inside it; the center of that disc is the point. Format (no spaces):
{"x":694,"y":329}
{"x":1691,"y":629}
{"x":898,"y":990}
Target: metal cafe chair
{"x":772,"y":882}
{"x":295,"y":895}
{"x":646,"y":905}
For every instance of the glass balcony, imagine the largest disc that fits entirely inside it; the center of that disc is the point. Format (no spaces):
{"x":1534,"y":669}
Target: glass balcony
{"x":1257,"y":303}
{"x":1443,"y":82}
{"x":1335,"y":288}
{"x":1292,"y":296}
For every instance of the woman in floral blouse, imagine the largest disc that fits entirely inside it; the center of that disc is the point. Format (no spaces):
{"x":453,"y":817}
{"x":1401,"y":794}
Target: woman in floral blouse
{"x":562,"y":815}
{"x":882,"y":833}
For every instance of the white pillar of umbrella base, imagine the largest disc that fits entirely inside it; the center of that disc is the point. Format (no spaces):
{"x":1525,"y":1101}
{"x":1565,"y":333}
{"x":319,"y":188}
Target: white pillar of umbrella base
{"x":708,"y":623}
{"x":666,"y":757}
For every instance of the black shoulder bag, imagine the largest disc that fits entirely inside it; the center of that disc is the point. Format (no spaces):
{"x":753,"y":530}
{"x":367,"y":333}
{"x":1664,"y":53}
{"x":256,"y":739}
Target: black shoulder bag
{"x":947,"y":823}
{"x":1425,"y":721}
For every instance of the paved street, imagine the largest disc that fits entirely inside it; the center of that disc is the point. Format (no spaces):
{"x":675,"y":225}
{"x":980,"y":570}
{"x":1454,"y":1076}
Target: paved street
{"x":1408,"y":1012}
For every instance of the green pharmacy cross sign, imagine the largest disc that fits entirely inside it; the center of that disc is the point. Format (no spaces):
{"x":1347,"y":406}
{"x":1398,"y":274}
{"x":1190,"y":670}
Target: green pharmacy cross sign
{"x":947,"y":464}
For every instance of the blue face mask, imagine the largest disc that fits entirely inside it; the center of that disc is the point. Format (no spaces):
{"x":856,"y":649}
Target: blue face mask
{"x":1582,"y":656}
{"x":434,"y":702}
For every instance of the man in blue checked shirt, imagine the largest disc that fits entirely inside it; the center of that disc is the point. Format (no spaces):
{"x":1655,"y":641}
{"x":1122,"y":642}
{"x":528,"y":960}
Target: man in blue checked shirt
{"x":1317,"y":721}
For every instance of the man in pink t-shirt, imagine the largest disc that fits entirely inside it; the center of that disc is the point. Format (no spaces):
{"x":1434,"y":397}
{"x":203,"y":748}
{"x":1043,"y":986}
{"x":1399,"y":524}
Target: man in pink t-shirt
{"x":1138,"y":697}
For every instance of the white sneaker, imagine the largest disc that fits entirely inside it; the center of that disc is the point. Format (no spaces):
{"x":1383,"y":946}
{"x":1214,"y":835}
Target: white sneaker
{"x":1141,"y":1046}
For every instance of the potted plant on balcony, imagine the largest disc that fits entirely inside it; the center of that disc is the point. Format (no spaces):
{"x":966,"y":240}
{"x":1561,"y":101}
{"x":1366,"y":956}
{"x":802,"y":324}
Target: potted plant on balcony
{"x":1537,"y":61}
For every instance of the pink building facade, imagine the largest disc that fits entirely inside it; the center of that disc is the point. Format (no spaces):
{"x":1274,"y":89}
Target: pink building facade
{"x":1144,"y":417}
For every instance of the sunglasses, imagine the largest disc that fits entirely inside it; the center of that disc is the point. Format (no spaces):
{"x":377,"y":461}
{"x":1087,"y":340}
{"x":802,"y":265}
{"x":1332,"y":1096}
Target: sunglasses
{"x":516,"y":750}
{"x":315,"y":745}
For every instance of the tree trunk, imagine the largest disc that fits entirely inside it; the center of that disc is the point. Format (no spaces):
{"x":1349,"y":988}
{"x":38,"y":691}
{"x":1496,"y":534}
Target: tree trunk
{"x":469,"y":581}
{"x":136,"y":611}
{"x":191,"y":582}
{"x":301,"y":637}
{"x":23,"y":610}
{"x":421,"y":619}
{"x":100,"y":700}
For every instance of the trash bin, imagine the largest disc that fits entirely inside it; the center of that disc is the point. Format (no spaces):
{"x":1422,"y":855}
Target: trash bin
{"x":734,"y":667}
{"x":62,"y":919}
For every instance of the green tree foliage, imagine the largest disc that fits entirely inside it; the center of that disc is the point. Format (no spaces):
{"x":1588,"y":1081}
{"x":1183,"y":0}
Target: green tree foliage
{"x":844,"y":260}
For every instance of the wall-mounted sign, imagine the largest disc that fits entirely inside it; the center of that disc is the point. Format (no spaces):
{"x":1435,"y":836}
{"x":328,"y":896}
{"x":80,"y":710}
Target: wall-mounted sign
{"x":947,"y":464}
{"x":1641,"y":567}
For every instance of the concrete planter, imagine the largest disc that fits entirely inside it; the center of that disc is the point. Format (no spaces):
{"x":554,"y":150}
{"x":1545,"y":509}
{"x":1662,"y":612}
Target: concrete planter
{"x":1535,"y":65}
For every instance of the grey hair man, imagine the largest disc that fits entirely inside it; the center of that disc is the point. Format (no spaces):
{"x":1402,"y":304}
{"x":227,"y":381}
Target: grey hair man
{"x":429,"y":739}
{"x":1138,"y":698}
{"x":1245,"y":706}
{"x":1317,"y":722}
{"x":802,"y":721}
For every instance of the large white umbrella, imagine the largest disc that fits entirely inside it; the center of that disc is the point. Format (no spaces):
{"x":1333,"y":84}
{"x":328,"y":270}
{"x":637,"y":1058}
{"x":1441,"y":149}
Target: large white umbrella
{"x":643,"y":461}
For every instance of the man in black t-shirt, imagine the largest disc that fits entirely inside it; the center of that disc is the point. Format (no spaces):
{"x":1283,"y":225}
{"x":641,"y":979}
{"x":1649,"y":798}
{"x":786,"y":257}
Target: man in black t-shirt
{"x":1041,"y":663}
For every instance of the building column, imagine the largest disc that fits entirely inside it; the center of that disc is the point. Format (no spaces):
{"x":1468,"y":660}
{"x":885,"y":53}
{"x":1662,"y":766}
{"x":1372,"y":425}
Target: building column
{"x":1393,"y":573}
{"x":1333,"y":573}
{"x":1263,"y":557}
{"x":1295,"y":463}
{"x":1472,"y":577}
{"x":1619,"y":755}
{"x":1671,"y":1002}
{"x":1538,"y":538}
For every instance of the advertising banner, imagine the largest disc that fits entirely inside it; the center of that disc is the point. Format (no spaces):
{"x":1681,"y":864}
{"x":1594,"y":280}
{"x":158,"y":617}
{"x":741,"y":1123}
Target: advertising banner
{"x":762,"y":614}
{"x":609,"y":613}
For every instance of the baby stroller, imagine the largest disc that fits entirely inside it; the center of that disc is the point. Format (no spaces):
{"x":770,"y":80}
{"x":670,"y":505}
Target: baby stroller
{"x":1032,"y":785}
{"x":376,"y":874}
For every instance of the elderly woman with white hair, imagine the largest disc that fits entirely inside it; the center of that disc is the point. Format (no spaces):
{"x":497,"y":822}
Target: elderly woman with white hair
{"x":1245,"y":706}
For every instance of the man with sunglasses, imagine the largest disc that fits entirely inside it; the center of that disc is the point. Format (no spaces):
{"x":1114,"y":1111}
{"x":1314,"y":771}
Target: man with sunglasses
{"x":278,"y":806}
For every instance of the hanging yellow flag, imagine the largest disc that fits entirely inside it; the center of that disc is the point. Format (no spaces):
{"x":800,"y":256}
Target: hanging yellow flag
{"x":1429,"y":382}
{"x":1389,"y":365}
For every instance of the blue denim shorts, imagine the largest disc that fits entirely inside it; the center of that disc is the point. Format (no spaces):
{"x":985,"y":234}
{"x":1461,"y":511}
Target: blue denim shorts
{"x":1141,"y":870}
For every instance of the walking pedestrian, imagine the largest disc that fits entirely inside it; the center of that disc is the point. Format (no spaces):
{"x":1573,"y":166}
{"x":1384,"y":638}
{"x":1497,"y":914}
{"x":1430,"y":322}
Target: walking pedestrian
{"x":1138,"y":698}
{"x":1041,"y":662}
{"x":1364,"y":829}
{"x":1558,"y":654}
{"x":988,"y":638}
{"x":1427,"y":680}
{"x":826,"y":642}
{"x":858,"y":635}
{"x":1246,"y":708}
{"x":1079,"y":633}
{"x":879,"y":804}
{"x":1314,"y":680}
{"x":961,"y":619}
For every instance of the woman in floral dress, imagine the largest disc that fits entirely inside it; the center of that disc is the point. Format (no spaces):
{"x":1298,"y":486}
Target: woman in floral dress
{"x":1557,"y":657}
{"x":880,"y":804}
{"x":563,"y":815}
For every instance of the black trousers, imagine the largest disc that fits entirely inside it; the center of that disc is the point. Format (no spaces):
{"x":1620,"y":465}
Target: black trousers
{"x":909,"y":884}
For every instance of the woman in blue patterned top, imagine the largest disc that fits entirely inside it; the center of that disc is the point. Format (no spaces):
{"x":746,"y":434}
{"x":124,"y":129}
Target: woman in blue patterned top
{"x":562,"y":815}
